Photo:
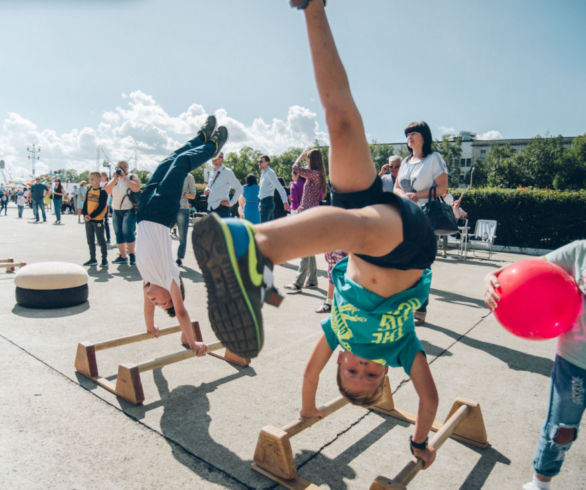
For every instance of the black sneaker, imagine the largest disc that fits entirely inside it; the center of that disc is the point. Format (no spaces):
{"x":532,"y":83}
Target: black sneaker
{"x":132,"y":259}
{"x":91,"y":262}
{"x":120,"y":260}
{"x":219,"y":137}
{"x":238,"y":279}
{"x":179,"y":262}
{"x":207,"y":129}
{"x":301,"y":4}
{"x":104,"y":262}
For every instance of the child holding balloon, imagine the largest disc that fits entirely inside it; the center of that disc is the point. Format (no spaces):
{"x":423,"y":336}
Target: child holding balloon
{"x":568,"y":381}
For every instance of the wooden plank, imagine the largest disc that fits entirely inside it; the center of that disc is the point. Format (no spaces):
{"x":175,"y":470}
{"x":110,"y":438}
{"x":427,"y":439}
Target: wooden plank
{"x":130,"y":339}
{"x":171,"y":358}
{"x":296,"y":483}
{"x":303,"y":423}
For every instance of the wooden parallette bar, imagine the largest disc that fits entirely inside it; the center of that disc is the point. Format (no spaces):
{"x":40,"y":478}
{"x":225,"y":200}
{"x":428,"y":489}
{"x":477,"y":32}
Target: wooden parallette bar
{"x":465,"y":416}
{"x":10,"y":264}
{"x":273,"y":456}
{"x":128,"y":383}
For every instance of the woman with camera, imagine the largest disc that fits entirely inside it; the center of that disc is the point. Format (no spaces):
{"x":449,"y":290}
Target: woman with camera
{"x":124,"y":214}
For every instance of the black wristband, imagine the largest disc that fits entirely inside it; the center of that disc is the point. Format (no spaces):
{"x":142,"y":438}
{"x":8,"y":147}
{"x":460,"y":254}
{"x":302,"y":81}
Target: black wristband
{"x":417,"y":445}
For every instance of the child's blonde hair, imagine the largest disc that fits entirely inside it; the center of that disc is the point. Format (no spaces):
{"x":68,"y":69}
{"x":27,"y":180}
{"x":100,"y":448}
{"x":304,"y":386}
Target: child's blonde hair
{"x":361,"y":399}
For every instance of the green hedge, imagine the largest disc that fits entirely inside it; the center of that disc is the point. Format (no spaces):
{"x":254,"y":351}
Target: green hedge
{"x":535,"y":218}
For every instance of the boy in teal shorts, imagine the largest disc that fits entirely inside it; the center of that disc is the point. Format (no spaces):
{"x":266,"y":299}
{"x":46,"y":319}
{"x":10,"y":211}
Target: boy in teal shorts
{"x":385,"y":277}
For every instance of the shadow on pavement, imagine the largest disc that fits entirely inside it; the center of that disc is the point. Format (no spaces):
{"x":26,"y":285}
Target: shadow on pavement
{"x":483,"y":467}
{"x":50,"y":313}
{"x":185,"y":424}
{"x":449,"y":297}
{"x":517,"y":360}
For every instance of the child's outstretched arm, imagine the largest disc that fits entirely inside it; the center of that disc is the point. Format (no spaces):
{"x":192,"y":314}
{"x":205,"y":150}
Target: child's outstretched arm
{"x":428,"y":401}
{"x":185,"y":321}
{"x":149,"y":314}
{"x":317,"y":361}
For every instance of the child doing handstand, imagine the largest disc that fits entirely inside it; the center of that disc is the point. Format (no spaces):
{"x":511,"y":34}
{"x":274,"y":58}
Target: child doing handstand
{"x":157,"y":212}
{"x":384,"y":279}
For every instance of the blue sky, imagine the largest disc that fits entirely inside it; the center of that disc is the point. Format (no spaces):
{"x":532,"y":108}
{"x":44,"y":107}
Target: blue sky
{"x":139,"y":75}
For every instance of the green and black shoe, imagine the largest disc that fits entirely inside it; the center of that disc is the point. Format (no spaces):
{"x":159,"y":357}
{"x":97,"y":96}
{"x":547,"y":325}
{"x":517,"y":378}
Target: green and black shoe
{"x":219,"y":137}
{"x":238,"y":280}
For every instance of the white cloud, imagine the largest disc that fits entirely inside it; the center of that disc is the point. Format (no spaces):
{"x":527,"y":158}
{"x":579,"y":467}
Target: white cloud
{"x":447,"y":130}
{"x":493,"y":134}
{"x":141,"y":125}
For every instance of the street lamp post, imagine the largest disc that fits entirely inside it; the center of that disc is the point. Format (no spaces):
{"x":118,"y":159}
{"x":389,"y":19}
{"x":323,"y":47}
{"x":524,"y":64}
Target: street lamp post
{"x":33,"y":153}
{"x":471,"y":175}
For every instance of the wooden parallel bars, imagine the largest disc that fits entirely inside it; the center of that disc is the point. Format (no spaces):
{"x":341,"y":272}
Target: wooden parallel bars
{"x":273,"y":456}
{"x":10,"y":264}
{"x":128,"y":383}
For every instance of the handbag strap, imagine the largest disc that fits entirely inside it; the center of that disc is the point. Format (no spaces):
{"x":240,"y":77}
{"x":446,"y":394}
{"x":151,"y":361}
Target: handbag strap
{"x":432,"y":190}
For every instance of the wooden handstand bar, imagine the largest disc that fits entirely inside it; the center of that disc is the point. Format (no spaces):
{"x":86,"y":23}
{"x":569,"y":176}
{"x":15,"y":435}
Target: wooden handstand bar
{"x":459,"y":414}
{"x":128,"y":383}
{"x":10,"y":264}
{"x":273,"y":456}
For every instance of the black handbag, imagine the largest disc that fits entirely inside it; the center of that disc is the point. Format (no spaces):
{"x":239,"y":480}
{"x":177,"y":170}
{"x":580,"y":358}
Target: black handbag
{"x":440,"y":215}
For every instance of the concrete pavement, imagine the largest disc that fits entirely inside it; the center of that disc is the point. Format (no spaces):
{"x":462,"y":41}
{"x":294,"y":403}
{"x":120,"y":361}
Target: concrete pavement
{"x":201,"y":417}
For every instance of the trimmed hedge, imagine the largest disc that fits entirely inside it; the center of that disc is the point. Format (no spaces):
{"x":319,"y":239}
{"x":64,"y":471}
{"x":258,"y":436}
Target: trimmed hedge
{"x":533,"y":218}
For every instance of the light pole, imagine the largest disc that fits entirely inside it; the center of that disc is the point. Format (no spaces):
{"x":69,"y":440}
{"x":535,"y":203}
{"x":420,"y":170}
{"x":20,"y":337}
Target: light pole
{"x":471,"y":175}
{"x":33,"y":153}
{"x":108,"y":165}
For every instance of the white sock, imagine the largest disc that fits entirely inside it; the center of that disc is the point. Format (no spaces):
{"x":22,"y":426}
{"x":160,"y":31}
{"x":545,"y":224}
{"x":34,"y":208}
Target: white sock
{"x":328,"y":301}
{"x":537,"y":484}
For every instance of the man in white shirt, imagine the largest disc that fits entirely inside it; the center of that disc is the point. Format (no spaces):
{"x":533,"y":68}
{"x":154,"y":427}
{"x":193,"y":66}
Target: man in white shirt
{"x":389,"y":171}
{"x":222,"y":179}
{"x":268,"y":183}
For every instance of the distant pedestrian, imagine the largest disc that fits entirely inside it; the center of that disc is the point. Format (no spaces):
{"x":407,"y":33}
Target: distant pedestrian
{"x":389,"y":171}
{"x":80,"y":198}
{"x":249,"y":200}
{"x":222,"y":180}
{"x":296,"y":190}
{"x":20,"y":201}
{"x":103,"y":183}
{"x":4,"y":202}
{"x":58,"y":193}
{"x":38,"y":193}
{"x":268,"y":184}
{"x":188,"y":193}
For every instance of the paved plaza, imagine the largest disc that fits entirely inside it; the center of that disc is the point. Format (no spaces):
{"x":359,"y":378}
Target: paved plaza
{"x":201,"y":417}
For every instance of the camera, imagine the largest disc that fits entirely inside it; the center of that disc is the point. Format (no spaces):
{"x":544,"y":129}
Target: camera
{"x":119,"y":172}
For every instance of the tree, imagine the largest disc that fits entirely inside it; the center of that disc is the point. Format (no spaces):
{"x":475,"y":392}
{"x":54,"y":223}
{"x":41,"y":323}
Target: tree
{"x":570,"y":171}
{"x":143,"y":176}
{"x":85,"y":176}
{"x":541,"y":159}
{"x":451,"y":151}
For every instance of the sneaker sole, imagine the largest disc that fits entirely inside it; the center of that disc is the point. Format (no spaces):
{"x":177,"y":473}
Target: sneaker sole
{"x":231,"y":314}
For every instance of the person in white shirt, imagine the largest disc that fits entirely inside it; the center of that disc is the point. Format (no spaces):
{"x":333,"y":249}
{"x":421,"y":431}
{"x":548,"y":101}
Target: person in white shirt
{"x":268,"y":183}
{"x":389,"y":171}
{"x":189,"y":192}
{"x":222,"y":179}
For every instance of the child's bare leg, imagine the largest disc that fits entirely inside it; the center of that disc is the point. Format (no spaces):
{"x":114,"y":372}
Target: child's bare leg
{"x":350,"y":164}
{"x":373,"y":230}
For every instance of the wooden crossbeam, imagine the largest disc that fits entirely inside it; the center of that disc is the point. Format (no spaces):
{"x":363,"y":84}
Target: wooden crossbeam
{"x":273,"y":456}
{"x":128,"y":383}
{"x":10,"y":265}
{"x":465,"y":416}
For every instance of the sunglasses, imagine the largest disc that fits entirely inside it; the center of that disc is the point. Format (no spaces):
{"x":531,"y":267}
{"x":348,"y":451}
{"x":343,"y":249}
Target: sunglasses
{"x":394,"y":166}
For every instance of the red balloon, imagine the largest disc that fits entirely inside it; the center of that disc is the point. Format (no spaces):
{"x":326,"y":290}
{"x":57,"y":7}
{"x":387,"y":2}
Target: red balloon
{"x":539,"y":300}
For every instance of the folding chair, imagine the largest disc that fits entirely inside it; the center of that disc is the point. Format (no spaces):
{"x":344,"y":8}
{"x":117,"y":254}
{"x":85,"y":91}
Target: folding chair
{"x":484,"y":234}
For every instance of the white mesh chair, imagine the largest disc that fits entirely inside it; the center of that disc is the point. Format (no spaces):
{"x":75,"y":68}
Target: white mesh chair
{"x":484,"y":234}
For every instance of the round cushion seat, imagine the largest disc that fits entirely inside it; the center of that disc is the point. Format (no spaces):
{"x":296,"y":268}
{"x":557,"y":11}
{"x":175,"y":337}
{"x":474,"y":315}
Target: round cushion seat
{"x":51,"y":285}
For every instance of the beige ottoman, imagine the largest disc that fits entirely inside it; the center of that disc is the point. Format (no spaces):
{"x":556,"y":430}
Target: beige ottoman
{"x":51,"y":285}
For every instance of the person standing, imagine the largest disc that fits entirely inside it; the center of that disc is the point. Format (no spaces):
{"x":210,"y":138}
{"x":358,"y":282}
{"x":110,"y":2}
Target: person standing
{"x":4,"y":201}
{"x":268,"y":184}
{"x":58,"y":192}
{"x":94,"y":210}
{"x":419,"y":172}
{"x":249,"y":200}
{"x":189,"y":192}
{"x":296,"y":190}
{"x":313,"y":190}
{"x":103,"y":183}
{"x":80,"y":198}
{"x":20,"y":201}
{"x":222,"y":179}
{"x":124,"y":219}
{"x":389,"y":171}
{"x":38,"y":193}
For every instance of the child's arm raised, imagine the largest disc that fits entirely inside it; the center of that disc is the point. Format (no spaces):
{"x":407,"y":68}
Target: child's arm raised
{"x":185,"y":321}
{"x":428,"y":401}
{"x":317,"y":361}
